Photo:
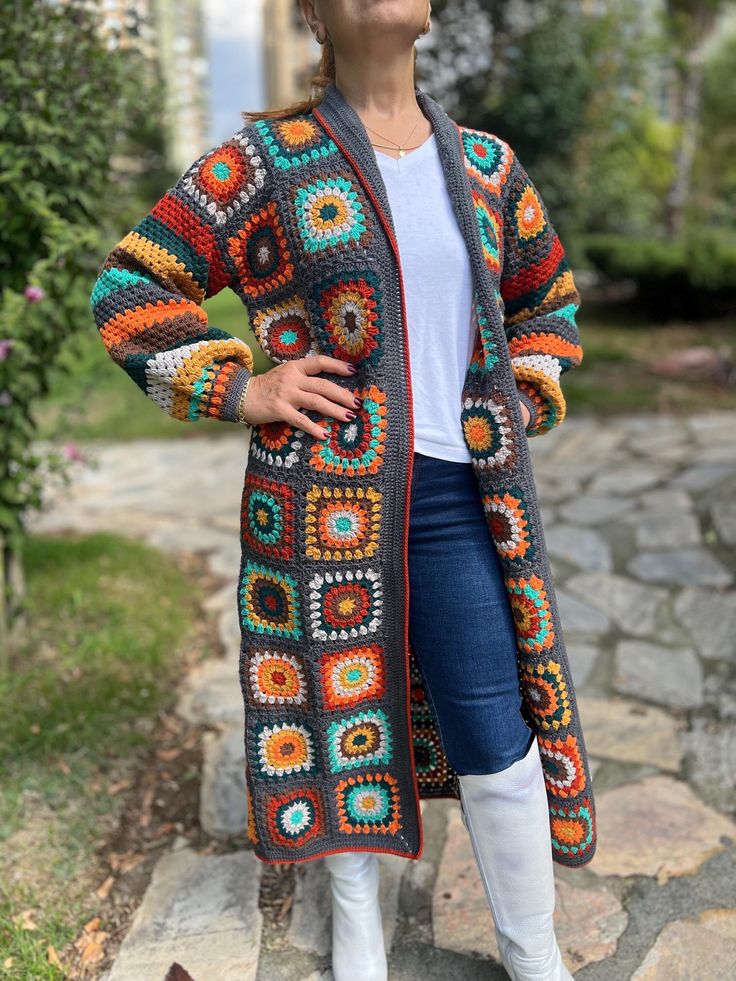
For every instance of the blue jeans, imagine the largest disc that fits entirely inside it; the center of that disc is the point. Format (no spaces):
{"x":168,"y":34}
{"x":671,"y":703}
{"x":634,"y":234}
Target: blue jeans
{"x":461,"y":627}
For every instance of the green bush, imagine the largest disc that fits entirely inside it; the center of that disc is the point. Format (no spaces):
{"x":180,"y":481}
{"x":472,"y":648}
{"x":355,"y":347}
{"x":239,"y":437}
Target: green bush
{"x":694,"y":277}
{"x":59,"y":127}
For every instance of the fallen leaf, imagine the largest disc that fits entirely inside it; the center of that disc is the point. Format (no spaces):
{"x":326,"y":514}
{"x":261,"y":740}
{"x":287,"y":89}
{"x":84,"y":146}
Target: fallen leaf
{"x":25,"y":920}
{"x":165,"y":829}
{"x":88,"y":937}
{"x":93,"y":953}
{"x":126,"y":861}
{"x":120,"y":785}
{"x":53,"y":957}
{"x":177,"y":973}
{"x":286,"y":906}
{"x":104,"y":890}
{"x":146,"y":804}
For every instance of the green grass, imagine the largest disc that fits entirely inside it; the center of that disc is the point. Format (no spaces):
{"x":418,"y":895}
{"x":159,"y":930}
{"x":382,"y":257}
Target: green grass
{"x":617,"y":348}
{"x":99,"y":659}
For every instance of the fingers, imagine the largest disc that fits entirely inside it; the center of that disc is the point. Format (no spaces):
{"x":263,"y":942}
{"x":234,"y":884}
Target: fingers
{"x":301,"y":421}
{"x":312,"y":400}
{"x":329,"y":396}
{"x":323,"y":362}
{"x":293,"y":386}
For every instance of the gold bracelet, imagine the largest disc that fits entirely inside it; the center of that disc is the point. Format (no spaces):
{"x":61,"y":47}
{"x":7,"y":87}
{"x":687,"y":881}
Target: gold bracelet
{"x":239,"y":413}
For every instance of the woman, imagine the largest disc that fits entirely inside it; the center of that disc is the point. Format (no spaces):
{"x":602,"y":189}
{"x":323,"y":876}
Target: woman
{"x":402,"y":273}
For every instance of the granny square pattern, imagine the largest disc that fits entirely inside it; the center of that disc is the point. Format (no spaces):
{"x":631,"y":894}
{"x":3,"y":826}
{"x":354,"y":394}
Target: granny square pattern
{"x":354,"y":447}
{"x":368,"y":803}
{"x":349,"y":320}
{"x":284,"y":748}
{"x":352,"y":675}
{"x":342,"y":524}
{"x":268,"y":516}
{"x":226,"y":179}
{"x":284,"y":330}
{"x":330,"y":213}
{"x":295,"y":816}
{"x":345,"y":603}
{"x":274,"y":679}
{"x":291,"y":143}
{"x":269,"y":601}
{"x":364,"y":738}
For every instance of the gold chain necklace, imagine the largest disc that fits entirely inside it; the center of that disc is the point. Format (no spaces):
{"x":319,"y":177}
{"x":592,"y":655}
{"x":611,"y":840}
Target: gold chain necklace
{"x":393,"y":144}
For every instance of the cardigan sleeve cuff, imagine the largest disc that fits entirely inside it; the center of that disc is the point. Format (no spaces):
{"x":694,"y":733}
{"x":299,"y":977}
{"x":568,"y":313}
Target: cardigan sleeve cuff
{"x":230,"y":398}
{"x":531,"y":405}
{"x":543,"y":397}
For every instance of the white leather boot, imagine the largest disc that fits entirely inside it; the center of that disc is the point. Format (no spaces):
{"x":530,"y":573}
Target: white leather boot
{"x":508,"y":823}
{"x":358,"y":952}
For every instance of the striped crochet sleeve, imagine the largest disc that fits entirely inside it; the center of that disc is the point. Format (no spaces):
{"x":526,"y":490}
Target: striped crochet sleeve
{"x":147,"y":300}
{"x":540,"y":302}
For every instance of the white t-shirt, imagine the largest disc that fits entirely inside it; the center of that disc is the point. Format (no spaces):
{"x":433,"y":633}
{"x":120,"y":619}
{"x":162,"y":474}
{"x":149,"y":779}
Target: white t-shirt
{"x":438,"y":290}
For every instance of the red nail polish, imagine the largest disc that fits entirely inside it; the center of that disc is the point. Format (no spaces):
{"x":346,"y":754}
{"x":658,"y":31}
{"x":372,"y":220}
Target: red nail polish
{"x":349,"y":414}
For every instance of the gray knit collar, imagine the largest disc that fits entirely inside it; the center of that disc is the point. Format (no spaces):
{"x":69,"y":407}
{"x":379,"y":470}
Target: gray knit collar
{"x":351,"y":132}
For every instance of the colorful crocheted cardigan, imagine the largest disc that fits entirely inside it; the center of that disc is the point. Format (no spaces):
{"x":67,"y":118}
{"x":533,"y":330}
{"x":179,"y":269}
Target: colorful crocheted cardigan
{"x":292,"y":215}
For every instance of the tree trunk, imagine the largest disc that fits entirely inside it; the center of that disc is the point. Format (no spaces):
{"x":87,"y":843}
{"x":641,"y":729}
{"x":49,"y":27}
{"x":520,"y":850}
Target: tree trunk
{"x":3,"y":610}
{"x":13,"y":591}
{"x":685,"y":156}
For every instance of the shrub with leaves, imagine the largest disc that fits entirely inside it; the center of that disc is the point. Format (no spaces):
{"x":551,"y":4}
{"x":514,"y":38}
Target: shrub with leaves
{"x":70,"y":100}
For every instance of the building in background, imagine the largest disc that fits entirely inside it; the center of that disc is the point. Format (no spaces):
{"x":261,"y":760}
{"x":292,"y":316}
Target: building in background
{"x":291,"y":54}
{"x":182,"y":53}
{"x":128,"y":24}
{"x":170,"y":34}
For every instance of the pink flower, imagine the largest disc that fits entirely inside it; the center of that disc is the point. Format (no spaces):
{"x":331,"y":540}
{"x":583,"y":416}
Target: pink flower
{"x":71,"y":452}
{"x":5,"y":345}
{"x":34,"y":294}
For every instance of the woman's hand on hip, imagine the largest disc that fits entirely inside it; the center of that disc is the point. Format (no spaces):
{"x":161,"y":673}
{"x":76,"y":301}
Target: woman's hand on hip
{"x":279,"y":394}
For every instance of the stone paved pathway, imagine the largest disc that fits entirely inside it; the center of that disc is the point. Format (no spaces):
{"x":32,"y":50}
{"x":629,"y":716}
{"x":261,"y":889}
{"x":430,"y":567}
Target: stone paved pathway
{"x":640,"y":522}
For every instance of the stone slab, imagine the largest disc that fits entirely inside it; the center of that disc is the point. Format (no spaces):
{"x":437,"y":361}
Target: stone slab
{"x":211,"y":694}
{"x":200,"y":911}
{"x":704,"y":947}
{"x":628,"y":480}
{"x":656,"y":827}
{"x":582,"y":547}
{"x":665,"y":529}
{"x":595,"y":509}
{"x":709,"y":617}
{"x":223,"y":809}
{"x":580,"y":616}
{"x":680,"y":566}
{"x":671,"y":676}
{"x":710,"y":762}
{"x":630,"y":732}
{"x":724,"y":519}
{"x":631,"y":605}
{"x":582,"y":658}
